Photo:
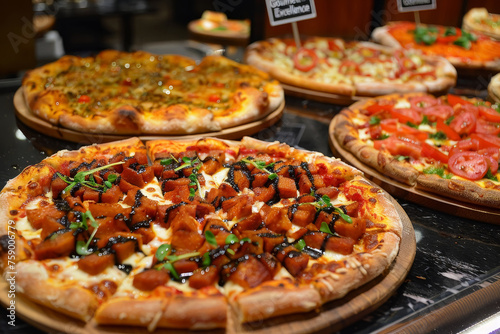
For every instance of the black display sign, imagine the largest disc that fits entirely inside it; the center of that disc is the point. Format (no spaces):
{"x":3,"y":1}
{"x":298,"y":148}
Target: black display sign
{"x":415,"y":5}
{"x":287,"y":11}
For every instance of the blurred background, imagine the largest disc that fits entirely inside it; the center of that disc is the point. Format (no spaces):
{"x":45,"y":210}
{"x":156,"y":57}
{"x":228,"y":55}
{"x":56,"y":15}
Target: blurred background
{"x":35,"y":32}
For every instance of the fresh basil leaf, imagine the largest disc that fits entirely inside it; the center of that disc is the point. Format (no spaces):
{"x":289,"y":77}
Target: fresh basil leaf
{"x":162,"y":251}
{"x":374,"y":120}
{"x":210,"y":237}
{"x":489,"y":175}
{"x":402,"y":157}
{"x":450,"y":31}
{"x":165,"y":162}
{"x":440,"y":135}
{"x":463,"y":42}
{"x":300,"y":245}
{"x":343,"y":215}
{"x":425,"y":120}
{"x":231,"y":239}
{"x":170,"y":267}
{"x":410,"y":124}
{"x":429,"y":39}
{"x":325,"y":228}
{"x":206,"y":260}
{"x":449,"y":120}
{"x":82,"y":248}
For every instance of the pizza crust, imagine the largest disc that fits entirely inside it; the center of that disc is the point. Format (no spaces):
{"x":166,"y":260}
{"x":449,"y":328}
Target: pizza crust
{"x":494,"y":89}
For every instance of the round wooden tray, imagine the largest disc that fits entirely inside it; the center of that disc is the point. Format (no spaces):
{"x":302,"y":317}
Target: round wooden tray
{"x":223,"y":37}
{"x":332,"y":316}
{"x":24,"y":113}
{"x":401,"y":190}
{"x":319,"y":96}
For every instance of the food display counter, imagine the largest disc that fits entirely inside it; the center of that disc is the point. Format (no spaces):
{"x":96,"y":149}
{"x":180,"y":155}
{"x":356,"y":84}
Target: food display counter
{"x":453,"y":284}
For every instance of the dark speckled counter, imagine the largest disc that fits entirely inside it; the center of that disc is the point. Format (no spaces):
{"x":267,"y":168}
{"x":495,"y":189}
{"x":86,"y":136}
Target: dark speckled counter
{"x":453,"y":284}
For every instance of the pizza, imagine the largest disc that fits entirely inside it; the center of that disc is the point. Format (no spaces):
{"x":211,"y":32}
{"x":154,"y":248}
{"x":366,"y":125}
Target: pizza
{"x":480,"y":21}
{"x":184,"y":234}
{"x":141,"y":93}
{"x":335,"y":66}
{"x":494,"y":89}
{"x":463,"y":49}
{"x":216,"y":23}
{"x":447,"y":145}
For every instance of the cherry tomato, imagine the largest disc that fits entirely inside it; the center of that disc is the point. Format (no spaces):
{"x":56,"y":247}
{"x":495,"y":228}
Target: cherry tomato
{"x":489,"y":114}
{"x":464,"y":123}
{"x":84,"y":99}
{"x":421,"y":102}
{"x":305,"y":60}
{"x":214,"y":98}
{"x":454,"y":99}
{"x":486,"y":127}
{"x":438,"y":111}
{"x":407,"y":115}
{"x":449,"y":132}
{"x":398,"y":146}
{"x":485,"y":140}
{"x":432,"y":152}
{"x":469,"y":165}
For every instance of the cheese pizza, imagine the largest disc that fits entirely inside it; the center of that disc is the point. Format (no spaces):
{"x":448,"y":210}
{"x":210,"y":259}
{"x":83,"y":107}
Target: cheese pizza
{"x":141,"y":93}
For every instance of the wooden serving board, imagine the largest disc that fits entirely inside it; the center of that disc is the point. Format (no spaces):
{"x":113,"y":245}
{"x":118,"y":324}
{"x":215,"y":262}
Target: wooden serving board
{"x":332,"y":317}
{"x":319,"y":96}
{"x":401,"y":190}
{"x":26,"y":116}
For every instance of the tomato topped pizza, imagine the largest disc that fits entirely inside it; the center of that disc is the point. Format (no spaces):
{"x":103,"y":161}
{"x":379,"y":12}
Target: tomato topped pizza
{"x":463,"y":49}
{"x":448,"y":145}
{"x":269,"y":230}
{"x":141,"y":93}
{"x":217,"y":24}
{"x":333,"y":65}
{"x":480,"y":21}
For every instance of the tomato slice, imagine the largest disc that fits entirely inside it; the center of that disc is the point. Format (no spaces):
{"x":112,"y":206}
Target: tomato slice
{"x":483,"y":126}
{"x":408,"y":130}
{"x":492,"y":154}
{"x":449,"y":132}
{"x":432,"y":152}
{"x":438,"y":111}
{"x":84,"y":99}
{"x":490,"y":114}
{"x":464,"y":145}
{"x":398,"y":146}
{"x":407,"y":115}
{"x":470,"y":165}
{"x":464,"y":123}
{"x":389,"y":125}
{"x":376,"y":108}
{"x":446,"y":39}
{"x":421,"y":102}
{"x":454,"y":99}
{"x":305,"y":60}
{"x":485,"y":140}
